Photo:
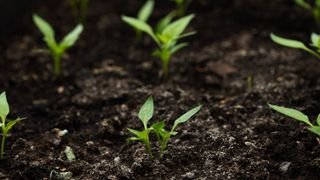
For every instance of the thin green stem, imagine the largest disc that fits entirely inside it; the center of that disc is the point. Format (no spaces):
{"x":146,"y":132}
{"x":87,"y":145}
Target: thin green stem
{"x":57,"y":64}
{"x":4,"y":135}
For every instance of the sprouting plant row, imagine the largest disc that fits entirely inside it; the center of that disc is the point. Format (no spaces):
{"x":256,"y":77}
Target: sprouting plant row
{"x":166,"y":34}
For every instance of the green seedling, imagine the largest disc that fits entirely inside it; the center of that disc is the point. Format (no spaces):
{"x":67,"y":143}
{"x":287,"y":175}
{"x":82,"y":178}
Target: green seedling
{"x":299,"y":116}
{"x":166,"y":37}
{"x":313,"y":48}
{"x":143,"y":16}
{"x":80,"y":9}
{"x":182,"y":6}
{"x":158,"y":128}
{"x":5,"y":125}
{"x":314,"y":9}
{"x":57,"y":49}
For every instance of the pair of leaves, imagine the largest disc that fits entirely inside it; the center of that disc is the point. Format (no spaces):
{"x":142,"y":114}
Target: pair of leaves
{"x":171,"y":32}
{"x":147,"y":109}
{"x":49,"y":35}
{"x":299,"y":116}
{"x":298,"y":44}
{"x":146,"y":114}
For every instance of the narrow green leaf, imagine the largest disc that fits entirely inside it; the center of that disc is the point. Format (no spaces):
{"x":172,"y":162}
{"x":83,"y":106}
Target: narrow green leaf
{"x":135,"y":132}
{"x":287,"y":42}
{"x":178,"y":47}
{"x":12,"y":123}
{"x":142,"y":26}
{"x":146,"y":112}
{"x":315,"y":130}
{"x":46,"y":29}
{"x":176,"y":28}
{"x":303,"y":4}
{"x":70,"y":39}
{"x":164,"y":22}
{"x":146,"y":11}
{"x":4,"y":107}
{"x":185,"y":117}
{"x":297,"y":115}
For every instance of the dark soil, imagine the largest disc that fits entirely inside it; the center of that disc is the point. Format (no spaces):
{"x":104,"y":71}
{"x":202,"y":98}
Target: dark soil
{"x":107,"y":77}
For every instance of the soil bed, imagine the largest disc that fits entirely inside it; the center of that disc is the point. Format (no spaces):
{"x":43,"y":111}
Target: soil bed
{"x":107,"y":77}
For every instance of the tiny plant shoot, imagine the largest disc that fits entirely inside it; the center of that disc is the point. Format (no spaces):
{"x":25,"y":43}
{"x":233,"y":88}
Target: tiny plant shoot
{"x":314,"y":9}
{"x":57,"y":49}
{"x":314,"y":48}
{"x":143,"y":16}
{"x":182,"y":6}
{"x":165,"y":37}
{"x":299,"y":116}
{"x":5,"y":126}
{"x":158,"y":128}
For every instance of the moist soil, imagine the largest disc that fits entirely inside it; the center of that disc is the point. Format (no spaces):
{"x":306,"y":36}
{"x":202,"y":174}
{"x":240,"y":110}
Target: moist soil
{"x":107,"y":76}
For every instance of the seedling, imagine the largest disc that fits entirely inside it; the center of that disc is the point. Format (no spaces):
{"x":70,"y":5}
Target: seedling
{"x":314,"y":48}
{"x":80,"y":9}
{"x":299,"y":116}
{"x":165,"y":37}
{"x":57,"y":49}
{"x":158,"y":128}
{"x":143,"y":16}
{"x":314,"y":8}
{"x":182,"y":6}
{"x":5,"y":126}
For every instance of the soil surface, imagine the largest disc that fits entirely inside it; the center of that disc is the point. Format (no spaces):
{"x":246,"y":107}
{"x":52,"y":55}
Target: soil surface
{"x":106,"y":78}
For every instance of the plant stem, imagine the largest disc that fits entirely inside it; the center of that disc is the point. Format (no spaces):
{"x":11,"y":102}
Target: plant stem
{"x":165,"y":57}
{"x":2,"y":144}
{"x":57,"y":64}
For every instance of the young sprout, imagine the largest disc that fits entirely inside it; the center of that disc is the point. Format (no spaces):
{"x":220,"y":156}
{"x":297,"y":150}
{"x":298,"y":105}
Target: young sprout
{"x":143,"y":16}
{"x":314,"y":8}
{"x":158,"y":128}
{"x":313,"y":49}
{"x":57,"y":49}
{"x":182,"y":6}
{"x":5,"y":126}
{"x":166,"y":39}
{"x":299,"y":116}
{"x":80,"y":9}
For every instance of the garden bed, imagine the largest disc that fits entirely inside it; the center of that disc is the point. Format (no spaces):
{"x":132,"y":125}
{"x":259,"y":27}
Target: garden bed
{"x":107,"y":77}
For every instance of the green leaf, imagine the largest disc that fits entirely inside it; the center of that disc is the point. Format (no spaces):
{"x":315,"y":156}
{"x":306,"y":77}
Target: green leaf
{"x":12,"y":123}
{"x":292,"y":44}
{"x":47,"y":31}
{"x":315,"y":40}
{"x":146,"y":112}
{"x":303,"y":4}
{"x":297,"y":115}
{"x":315,"y":130}
{"x":142,"y":26}
{"x":4,"y":107}
{"x":287,"y":42}
{"x":178,"y":47}
{"x":70,"y":39}
{"x":318,"y":120}
{"x":146,"y":11}
{"x":141,"y":135}
{"x":185,"y":117}
{"x":164,"y":22}
{"x":176,"y":28}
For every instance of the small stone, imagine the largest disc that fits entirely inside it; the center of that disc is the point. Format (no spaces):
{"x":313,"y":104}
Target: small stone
{"x":189,"y":175}
{"x":284,"y":166}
